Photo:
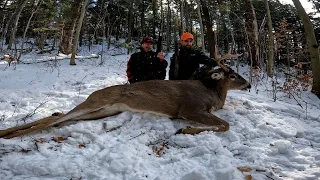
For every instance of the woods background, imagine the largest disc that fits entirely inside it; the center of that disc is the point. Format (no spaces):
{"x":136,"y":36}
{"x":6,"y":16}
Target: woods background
{"x":274,"y":37}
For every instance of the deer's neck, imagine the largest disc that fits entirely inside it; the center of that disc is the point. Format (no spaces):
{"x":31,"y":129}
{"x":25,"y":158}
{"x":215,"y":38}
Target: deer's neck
{"x":219,"y":91}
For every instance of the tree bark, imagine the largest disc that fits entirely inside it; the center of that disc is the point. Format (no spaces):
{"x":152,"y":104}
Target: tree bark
{"x":168,"y":33}
{"x":183,"y":27}
{"x":208,"y":23}
{"x":26,"y":29}
{"x":4,"y":26}
{"x":252,"y":30}
{"x":201,"y":24}
{"x":130,"y":22}
{"x":154,"y":12}
{"x":270,"y":42}
{"x":142,"y":19}
{"x":78,"y":30}
{"x":313,"y":46}
{"x":187,"y":17}
{"x":68,"y":29}
{"x":20,"y":7}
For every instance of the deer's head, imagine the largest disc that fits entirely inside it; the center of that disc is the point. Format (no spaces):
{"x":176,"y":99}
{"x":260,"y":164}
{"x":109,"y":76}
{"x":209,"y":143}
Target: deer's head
{"x":230,"y":79}
{"x":222,"y":78}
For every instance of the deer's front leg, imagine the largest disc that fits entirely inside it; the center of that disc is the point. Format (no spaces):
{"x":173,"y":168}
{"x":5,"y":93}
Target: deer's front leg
{"x":215,"y":123}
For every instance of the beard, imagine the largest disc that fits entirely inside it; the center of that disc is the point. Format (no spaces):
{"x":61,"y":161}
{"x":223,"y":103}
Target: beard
{"x":187,"y":47}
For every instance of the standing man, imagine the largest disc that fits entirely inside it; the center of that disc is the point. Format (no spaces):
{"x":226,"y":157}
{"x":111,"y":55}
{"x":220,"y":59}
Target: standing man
{"x":189,"y":59}
{"x":146,"y":64}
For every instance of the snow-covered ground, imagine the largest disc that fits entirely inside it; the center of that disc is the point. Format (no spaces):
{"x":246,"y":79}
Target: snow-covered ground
{"x":271,"y":140}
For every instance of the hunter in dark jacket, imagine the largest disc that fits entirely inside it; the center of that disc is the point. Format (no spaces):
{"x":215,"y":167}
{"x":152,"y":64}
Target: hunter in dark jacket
{"x":146,"y":64}
{"x":189,"y":59}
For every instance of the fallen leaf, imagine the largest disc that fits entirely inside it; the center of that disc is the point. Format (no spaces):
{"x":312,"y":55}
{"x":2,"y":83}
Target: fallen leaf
{"x":41,"y":140}
{"x":59,"y":139}
{"x":249,"y":177}
{"x":160,"y":151}
{"x":244,"y":169}
{"x":82,"y":146}
{"x":25,"y":150}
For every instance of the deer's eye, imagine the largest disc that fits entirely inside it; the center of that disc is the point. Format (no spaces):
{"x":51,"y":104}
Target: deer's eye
{"x":232,"y":76}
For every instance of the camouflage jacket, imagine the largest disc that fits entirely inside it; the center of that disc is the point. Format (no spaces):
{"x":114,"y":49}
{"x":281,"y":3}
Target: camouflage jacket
{"x":189,"y":61}
{"x":143,"y":66}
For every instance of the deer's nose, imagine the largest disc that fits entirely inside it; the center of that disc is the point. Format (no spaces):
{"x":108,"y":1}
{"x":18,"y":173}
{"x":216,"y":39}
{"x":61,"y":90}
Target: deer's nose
{"x":249,"y":86}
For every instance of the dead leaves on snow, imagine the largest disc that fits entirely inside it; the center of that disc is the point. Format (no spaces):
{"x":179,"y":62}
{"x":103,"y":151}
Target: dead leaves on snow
{"x":59,"y":139}
{"x":160,"y":150}
{"x":247,"y":171}
{"x":249,"y":177}
{"x":244,"y":169}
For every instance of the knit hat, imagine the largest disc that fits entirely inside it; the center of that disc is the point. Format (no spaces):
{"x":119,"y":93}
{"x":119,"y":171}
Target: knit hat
{"x":146,"y":40}
{"x":186,"y":36}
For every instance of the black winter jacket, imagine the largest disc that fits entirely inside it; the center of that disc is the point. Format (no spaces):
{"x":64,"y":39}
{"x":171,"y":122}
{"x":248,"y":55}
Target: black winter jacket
{"x":143,"y":66}
{"x":189,"y":61}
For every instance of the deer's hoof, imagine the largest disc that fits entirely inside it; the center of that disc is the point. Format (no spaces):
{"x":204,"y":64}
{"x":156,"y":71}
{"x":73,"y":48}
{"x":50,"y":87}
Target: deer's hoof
{"x":180,"y":131}
{"x":57,"y":114}
{"x":189,"y":130}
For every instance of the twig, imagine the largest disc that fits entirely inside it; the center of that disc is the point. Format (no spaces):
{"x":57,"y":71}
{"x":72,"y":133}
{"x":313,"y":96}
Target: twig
{"x":269,"y":177}
{"x":114,"y":128}
{"x":80,"y":83}
{"x":295,"y":99}
{"x":142,"y":133}
{"x":33,"y":112}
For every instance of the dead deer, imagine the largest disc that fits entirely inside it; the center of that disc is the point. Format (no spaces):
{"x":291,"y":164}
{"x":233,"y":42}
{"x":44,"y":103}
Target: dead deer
{"x":191,"y":100}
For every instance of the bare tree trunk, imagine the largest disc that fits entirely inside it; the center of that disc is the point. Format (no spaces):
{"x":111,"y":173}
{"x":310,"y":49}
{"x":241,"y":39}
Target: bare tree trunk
{"x":78,"y":30}
{"x":208,"y":23}
{"x":161,"y":19}
{"x":176,"y":27}
{"x":154,"y":12}
{"x":3,"y":15}
{"x":20,"y":7}
{"x":252,"y":30}
{"x":187,"y":17}
{"x":270,"y":42}
{"x":143,"y":32}
{"x":313,"y":46}
{"x":168,"y":34}
{"x":201,"y":25}
{"x":68,"y":29}
{"x":4,"y":27}
{"x":26,"y":29}
{"x":130,"y":20}
{"x":183,"y":27}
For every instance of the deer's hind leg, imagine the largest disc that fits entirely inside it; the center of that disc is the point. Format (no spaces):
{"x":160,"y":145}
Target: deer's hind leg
{"x":215,"y":123}
{"x":59,"y":119}
{"x":30,"y":127}
{"x":98,"y":114}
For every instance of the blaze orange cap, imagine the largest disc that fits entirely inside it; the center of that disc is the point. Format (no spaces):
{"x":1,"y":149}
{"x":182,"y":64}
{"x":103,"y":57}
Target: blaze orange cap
{"x":186,"y":36}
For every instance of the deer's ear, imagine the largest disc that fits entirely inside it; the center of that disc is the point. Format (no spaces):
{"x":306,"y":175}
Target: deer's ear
{"x":217,"y":75}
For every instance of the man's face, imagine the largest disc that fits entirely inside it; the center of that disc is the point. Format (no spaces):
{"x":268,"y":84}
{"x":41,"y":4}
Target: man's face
{"x":187,"y":43}
{"x":146,"y":46}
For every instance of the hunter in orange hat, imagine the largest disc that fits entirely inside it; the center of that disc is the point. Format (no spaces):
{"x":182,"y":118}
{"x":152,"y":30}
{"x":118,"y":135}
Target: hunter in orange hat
{"x":188,"y":59}
{"x":186,"y":36}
